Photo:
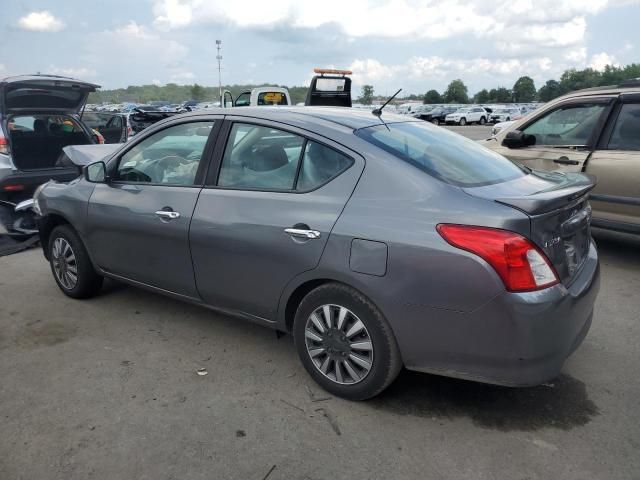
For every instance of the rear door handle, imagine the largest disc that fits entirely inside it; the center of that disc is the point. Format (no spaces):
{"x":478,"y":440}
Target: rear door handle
{"x":302,"y":233}
{"x":167,"y":215}
{"x":566,"y":161}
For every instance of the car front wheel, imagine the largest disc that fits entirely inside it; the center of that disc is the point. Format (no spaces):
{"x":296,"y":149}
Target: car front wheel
{"x":70,"y":264}
{"x":463,"y":121}
{"x":345,"y":343}
{"x":482,"y":121}
{"x":435,"y":121}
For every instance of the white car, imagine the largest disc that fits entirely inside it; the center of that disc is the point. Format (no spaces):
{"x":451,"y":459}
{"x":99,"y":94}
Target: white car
{"x":505,"y":115}
{"x":499,"y":126}
{"x":260,"y":96}
{"x":467,"y":115}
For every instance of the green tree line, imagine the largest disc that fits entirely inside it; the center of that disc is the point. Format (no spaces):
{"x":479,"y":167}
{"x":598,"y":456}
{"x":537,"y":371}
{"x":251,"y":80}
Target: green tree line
{"x":524,"y":89}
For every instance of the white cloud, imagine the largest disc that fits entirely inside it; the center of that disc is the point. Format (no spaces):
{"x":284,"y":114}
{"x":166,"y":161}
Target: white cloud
{"x":133,"y":30}
{"x":156,"y":82}
{"x":81,"y":73}
{"x":182,"y":78}
{"x":544,"y":22}
{"x":601,"y":60}
{"x":42,"y":21}
{"x":439,"y":71}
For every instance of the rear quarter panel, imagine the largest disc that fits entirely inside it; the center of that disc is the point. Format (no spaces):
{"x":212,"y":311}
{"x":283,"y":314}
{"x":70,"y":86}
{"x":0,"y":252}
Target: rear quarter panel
{"x":400,"y":206}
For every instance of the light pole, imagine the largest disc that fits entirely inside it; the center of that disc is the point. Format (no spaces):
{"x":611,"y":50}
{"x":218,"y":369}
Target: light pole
{"x":219,"y":58}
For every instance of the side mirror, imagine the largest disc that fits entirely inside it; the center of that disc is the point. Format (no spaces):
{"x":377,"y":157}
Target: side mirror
{"x":96,"y":172}
{"x":518,"y":139}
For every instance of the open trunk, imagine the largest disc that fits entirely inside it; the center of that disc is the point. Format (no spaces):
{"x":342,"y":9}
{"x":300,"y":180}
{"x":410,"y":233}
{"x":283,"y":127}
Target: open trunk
{"x":37,"y":140}
{"x":557,"y":205}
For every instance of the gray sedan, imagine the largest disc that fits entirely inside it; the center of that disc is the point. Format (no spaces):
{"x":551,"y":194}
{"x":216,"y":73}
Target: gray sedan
{"x":377,"y":241}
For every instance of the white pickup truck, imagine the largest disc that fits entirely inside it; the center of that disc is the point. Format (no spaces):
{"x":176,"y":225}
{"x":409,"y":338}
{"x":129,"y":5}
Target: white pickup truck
{"x":258,"y":97}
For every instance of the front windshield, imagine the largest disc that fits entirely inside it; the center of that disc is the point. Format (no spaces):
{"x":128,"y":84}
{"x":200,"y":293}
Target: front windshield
{"x":442,"y":154}
{"x":463,"y":110}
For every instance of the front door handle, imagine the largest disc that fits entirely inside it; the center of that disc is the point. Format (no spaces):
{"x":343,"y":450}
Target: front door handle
{"x":565,"y":161}
{"x":303,"y":233}
{"x":167,"y":215}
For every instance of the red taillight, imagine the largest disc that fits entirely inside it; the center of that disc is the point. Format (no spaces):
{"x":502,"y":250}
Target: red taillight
{"x":13,"y":188}
{"x":99,"y":137}
{"x":4,"y":144}
{"x":521,"y":265}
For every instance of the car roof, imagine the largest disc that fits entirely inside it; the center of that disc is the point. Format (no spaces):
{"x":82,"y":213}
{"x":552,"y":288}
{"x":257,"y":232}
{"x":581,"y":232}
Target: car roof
{"x":300,"y":116}
{"x":605,"y":90}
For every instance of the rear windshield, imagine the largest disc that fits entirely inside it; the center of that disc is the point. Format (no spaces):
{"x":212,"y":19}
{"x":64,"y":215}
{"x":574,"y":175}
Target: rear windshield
{"x":442,"y":154}
{"x":272,"y":98}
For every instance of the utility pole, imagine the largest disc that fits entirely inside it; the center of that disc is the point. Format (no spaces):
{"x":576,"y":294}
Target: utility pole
{"x":219,"y":58}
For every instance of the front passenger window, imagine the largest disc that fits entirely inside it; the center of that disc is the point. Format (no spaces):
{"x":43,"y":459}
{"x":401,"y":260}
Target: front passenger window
{"x":568,"y":125}
{"x":171,"y":156}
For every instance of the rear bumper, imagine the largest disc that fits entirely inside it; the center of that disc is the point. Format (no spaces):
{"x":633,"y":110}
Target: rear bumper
{"x":516,"y":339}
{"x":29,"y":180}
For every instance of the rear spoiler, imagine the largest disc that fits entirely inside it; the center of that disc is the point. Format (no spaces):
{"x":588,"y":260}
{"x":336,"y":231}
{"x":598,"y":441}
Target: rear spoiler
{"x":576,"y":187}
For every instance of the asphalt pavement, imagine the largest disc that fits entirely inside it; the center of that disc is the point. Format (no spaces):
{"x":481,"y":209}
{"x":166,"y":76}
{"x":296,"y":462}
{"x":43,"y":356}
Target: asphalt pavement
{"x":108,"y":388}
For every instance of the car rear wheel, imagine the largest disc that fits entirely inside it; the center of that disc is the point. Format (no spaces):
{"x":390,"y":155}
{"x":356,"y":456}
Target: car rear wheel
{"x":463,"y":121}
{"x":70,"y":264}
{"x":482,"y":121}
{"x":345,"y":343}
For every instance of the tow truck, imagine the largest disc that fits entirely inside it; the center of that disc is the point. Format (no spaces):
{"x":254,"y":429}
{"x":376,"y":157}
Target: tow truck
{"x":330,"y":88}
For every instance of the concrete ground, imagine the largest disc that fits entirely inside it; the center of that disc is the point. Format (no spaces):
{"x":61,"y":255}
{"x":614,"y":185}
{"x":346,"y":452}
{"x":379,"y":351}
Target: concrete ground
{"x":107,"y":389}
{"x":474,"y":132}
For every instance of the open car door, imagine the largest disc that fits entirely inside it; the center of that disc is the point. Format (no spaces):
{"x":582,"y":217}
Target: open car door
{"x":330,"y":88}
{"x":112,"y":126}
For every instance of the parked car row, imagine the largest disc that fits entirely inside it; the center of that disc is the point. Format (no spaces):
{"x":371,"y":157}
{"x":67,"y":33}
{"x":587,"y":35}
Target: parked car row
{"x":466,"y":114}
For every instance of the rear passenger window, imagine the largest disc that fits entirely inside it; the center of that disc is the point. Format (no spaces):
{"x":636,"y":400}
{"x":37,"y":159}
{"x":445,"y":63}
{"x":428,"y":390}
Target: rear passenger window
{"x":319,"y":165}
{"x":259,"y":157}
{"x":626,"y":133}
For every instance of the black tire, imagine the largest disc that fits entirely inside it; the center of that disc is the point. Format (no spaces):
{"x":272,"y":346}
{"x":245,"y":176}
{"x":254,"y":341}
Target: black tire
{"x":386,"y":363}
{"x":435,"y":121}
{"x":88,"y":281}
{"x":462,"y":122}
{"x":482,"y":120}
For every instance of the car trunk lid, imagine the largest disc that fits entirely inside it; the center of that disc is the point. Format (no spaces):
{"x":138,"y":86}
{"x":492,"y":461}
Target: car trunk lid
{"x":43,"y":93}
{"x":559,"y":211}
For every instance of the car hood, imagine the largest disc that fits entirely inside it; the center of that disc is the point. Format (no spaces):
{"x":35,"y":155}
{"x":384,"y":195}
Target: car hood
{"x":82,"y":155}
{"x":44,"y":94}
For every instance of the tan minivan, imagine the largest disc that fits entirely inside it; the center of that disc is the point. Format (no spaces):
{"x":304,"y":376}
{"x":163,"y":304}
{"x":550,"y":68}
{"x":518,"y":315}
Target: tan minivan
{"x":596,"y":131}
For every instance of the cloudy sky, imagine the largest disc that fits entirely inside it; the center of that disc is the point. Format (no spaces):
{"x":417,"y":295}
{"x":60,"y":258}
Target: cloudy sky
{"x":413,"y":44}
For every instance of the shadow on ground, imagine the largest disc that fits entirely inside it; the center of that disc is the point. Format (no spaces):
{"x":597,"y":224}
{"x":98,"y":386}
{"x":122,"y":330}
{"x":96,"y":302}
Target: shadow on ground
{"x":618,"y":248}
{"x":561,"y":404}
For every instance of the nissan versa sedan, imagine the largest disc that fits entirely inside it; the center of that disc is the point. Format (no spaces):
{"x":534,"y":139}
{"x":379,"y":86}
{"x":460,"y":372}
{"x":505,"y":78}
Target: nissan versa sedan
{"x":378,"y":241}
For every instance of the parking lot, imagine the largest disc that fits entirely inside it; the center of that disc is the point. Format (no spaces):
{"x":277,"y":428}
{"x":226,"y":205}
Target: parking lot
{"x":108,"y":388}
